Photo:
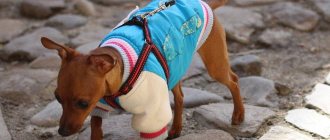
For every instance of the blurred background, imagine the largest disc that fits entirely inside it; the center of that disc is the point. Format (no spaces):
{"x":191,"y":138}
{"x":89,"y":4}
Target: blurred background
{"x":279,"y":48}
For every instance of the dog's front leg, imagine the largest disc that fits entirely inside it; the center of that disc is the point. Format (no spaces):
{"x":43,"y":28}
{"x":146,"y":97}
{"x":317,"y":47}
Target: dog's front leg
{"x":96,"y":127}
{"x":178,"y":108}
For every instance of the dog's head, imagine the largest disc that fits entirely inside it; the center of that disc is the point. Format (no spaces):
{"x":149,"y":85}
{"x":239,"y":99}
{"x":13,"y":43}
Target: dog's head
{"x":81,"y":83}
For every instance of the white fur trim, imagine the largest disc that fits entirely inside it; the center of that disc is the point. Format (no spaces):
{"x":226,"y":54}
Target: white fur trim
{"x":149,"y":103}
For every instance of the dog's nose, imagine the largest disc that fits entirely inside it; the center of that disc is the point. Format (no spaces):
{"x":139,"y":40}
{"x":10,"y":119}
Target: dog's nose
{"x":63,"y":131}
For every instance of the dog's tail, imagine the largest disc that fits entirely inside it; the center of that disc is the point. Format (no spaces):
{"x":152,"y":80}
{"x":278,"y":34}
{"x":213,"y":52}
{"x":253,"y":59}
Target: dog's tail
{"x":215,"y":3}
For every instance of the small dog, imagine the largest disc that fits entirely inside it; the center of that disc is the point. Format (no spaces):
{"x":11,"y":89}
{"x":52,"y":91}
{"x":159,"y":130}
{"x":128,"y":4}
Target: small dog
{"x":177,"y":31}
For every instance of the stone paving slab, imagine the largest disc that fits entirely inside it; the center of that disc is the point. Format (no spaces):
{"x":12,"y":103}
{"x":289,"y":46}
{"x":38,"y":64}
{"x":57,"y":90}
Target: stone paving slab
{"x":258,"y":91}
{"x":66,"y":21}
{"x":247,"y":65}
{"x":115,"y":128}
{"x":219,"y":116}
{"x":294,"y":15}
{"x":275,"y":37}
{"x":320,"y":97}
{"x":327,"y":79}
{"x":86,"y":48}
{"x":239,"y":23}
{"x":324,"y":7}
{"x":27,"y":84}
{"x":46,"y":61}
{"x":310,"y":121}
{"x":255,"y":90}
{"x":253,"y":2}
{"x":49,"y":116}
{"x":4,"y":134}
{"x":89,"y":34}
{"x":29,"y":45}
{"x":85,"y":7}
{"x":211,"y":134}
{"x":284,"y":133}
{"x":11,"y":28}
{"x":195,"y":97}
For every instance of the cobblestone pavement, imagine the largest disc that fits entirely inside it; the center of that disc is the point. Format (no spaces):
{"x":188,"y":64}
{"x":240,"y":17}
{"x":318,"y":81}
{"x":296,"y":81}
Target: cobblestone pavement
{"x":279,"y":48}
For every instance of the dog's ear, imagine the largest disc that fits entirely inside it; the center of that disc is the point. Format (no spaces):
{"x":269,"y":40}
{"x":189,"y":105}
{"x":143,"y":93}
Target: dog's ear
{"x":63,"y":51}
{"x":103,"y":63}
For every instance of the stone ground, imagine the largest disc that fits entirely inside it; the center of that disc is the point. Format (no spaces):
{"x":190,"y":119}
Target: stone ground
{"x":279,"y":48}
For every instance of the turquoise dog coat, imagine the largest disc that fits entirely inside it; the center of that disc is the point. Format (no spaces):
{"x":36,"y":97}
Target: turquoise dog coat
{"x":178,"y":32}
{"x":175,"y":31}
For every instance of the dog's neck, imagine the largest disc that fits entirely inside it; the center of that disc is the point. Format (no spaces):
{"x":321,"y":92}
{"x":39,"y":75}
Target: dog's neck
{"x":114,"y":77}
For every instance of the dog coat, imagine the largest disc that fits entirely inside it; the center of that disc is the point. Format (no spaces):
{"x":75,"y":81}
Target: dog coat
{"x":178,"y":32}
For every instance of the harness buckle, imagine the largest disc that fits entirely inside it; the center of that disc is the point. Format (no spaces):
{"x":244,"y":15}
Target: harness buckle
{"x":144,"y":15}
{"x":160,"y":8}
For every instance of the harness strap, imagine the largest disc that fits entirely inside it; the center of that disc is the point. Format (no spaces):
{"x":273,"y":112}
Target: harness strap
{"x":138,"y":68}
{"x":148,"y":47}
{"x":155,"y":50}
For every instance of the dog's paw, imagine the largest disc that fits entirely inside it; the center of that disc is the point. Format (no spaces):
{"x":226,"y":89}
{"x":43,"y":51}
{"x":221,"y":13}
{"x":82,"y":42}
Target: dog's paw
{"x":173,"y":134}
{"x":238,"y":117}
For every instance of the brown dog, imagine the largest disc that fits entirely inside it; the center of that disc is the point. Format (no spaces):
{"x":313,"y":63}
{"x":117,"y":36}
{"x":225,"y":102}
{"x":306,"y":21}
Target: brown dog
{"x":84,"y":79}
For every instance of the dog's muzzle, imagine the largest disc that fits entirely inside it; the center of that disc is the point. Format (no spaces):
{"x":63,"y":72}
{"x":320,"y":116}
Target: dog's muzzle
{"x":63,"y":131}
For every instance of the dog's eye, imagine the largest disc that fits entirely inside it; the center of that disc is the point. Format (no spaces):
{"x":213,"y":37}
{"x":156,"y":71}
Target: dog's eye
{"x":82,"y":104}
{"x":58,"y":98}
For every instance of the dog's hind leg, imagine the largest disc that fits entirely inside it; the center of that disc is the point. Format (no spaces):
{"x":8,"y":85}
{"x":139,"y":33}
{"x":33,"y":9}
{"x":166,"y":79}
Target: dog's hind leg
{"x":215,"y":57}
{"x":96,"y":128}
{"x":178,"y":108}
